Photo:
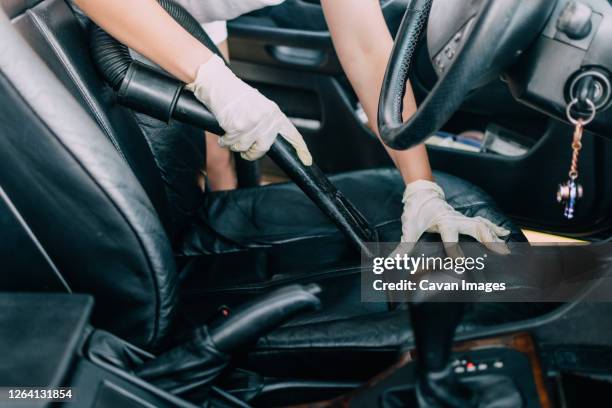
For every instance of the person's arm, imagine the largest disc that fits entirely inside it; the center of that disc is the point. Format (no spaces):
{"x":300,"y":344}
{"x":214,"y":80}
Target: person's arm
{"x":144,"y":26}
{"x":206,"y":11}
{"x":250,"y":120}
{"x":363,"y":44}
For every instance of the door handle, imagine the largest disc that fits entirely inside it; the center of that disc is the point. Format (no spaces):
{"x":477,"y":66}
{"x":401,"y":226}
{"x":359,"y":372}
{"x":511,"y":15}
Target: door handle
{"x":305,"y":57}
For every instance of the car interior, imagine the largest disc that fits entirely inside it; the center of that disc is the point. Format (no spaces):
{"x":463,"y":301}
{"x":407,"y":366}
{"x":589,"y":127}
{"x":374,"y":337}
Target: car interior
{"x":122,"y":280}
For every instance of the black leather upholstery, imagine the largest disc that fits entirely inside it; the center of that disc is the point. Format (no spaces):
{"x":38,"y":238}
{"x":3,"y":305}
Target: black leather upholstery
{"x":75,"y":190}
{"x":80,"y":172}
{"x":298,"y":244}
{"x":276,"y":229}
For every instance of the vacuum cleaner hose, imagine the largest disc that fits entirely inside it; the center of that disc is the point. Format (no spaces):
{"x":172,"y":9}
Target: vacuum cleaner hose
{"x":150,"y":91}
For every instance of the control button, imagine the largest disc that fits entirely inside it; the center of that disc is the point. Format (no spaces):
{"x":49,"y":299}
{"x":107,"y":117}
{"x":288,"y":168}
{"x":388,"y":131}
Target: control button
{"x":471,"y":367}
{"x":449,"y":52}
{"x":458,"y":37}
{"x":575,"y":20}
{"x":498,"y":364}
{"x":459,"y":370}
{"x":455,"y":363}
{"x":482,"y":366}
{"x":440,"y":63}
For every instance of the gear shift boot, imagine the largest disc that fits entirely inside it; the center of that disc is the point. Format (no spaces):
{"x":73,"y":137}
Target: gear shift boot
{"x":485,"y":391}
{"x":495,"y":377}
{"x":490,"y":373}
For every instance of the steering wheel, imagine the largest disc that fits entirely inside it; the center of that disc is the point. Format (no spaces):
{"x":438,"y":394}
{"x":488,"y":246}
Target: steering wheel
{"x":469,"y":41}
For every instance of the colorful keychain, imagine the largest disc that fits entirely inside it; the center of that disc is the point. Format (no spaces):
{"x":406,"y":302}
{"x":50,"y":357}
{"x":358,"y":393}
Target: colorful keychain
{"x":571,"y":191}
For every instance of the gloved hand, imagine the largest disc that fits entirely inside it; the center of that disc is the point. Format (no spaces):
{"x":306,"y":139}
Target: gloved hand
{"x":251,"y":121}
{"x":206,"y":11}
{"x":426,"y":210}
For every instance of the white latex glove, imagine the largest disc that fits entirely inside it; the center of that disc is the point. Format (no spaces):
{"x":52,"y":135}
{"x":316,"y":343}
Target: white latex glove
{"x":206,"y":11}
{"x":426,"y":210}
{"x":251,"y":121}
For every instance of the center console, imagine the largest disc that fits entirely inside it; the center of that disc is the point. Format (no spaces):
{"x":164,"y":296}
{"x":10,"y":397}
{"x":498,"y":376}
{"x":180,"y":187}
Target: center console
{"x":44,"y":339}
{"x":47,"y":342}
{"x":500,"y":372}
{"x":495,"y":372}
{"x":52,"y":356}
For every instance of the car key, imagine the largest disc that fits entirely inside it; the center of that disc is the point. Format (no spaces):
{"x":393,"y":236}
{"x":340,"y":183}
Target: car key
{"x":571,"y":191}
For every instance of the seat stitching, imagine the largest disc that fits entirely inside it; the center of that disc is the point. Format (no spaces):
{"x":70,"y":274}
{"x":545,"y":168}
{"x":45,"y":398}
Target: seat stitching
{"x":331,"y":273}
{"x":33,"y":238}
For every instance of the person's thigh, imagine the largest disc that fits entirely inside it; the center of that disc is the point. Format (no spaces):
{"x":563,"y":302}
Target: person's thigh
{"x":220,"y":169}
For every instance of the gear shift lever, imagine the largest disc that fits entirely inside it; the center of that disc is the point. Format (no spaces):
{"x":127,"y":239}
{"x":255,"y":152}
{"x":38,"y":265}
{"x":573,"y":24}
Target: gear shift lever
{"x":432,"y":381}
{"x":434,"y":328}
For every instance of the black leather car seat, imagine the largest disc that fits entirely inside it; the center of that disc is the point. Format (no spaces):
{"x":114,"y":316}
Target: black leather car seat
{"x":79,"y":170}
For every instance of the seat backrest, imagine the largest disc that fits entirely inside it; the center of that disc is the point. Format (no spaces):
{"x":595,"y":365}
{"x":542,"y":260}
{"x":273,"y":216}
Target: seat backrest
{"x":82,"y":179}
{"x":54,"y":33}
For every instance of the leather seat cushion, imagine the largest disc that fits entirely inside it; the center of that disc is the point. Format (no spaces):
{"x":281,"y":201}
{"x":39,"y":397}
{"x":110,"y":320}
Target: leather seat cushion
{"x":254,"y":240}
{"x":276,"y":229}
